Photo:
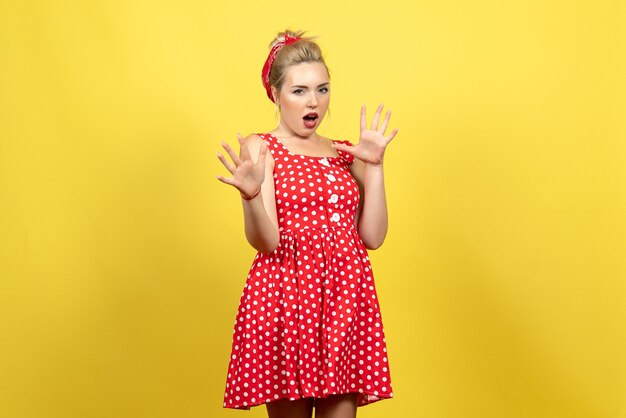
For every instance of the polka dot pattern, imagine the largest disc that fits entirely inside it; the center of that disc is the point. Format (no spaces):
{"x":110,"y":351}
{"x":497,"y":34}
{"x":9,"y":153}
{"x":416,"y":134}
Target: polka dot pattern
{"x":309,"y":323}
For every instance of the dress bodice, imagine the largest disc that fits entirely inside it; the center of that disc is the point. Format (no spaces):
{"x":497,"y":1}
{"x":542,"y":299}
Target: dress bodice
{"x":313,"y":192}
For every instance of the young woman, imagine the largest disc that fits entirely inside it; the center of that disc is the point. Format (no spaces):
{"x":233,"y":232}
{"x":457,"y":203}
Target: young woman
{"x":308,"y":331}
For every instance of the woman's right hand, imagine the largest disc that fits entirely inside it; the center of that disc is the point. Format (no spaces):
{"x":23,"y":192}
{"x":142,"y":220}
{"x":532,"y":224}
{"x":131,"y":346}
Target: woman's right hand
{"x":247,"y":175}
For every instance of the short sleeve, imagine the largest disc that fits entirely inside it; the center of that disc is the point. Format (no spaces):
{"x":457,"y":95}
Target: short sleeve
{"x":347,"y":157}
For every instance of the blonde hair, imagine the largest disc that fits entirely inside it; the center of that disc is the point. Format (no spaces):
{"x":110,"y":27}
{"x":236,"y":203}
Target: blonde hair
{"x":303,"y":50}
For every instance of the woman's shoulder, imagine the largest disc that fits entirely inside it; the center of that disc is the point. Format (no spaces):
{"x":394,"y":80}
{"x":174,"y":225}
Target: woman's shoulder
{"x":254,"y":141}
{"x":340,"y":141}
{"x":347,"y":157}
{"x":254,"y":137}
{"x":257,"y":138}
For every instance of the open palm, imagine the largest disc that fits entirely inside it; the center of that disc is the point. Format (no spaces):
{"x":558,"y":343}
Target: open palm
{"x":372,"y":142}
{"x":247,"y":175}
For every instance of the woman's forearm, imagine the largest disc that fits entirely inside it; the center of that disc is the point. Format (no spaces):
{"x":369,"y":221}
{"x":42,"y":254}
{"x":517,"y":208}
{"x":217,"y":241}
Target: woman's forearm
{"x":261,"y":233}
{"x":373,"y":221}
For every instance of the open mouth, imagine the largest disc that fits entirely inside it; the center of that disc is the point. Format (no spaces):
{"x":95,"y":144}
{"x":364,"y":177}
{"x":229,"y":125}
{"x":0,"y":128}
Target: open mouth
{"x":310,"y":120}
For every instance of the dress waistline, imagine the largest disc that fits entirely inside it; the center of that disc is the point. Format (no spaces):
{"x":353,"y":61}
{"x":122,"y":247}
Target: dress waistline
{"x":321,"y":228}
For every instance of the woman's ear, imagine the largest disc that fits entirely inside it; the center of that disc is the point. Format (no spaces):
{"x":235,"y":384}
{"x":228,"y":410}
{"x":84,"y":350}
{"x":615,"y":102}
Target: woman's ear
{"x":274,"y":93}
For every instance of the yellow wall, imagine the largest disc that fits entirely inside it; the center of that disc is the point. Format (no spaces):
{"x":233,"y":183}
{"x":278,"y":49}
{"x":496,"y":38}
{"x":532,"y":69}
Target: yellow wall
{"x":123,"y":258}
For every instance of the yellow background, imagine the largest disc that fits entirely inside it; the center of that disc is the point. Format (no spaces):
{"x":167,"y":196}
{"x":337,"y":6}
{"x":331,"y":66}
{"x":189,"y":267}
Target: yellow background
{"x":502,"y":279}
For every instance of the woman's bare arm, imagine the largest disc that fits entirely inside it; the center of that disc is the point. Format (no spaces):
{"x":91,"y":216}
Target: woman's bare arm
{"x":367,"y":170}
{"x":261,"y":224}
{"x":372,"y":218}
{"x":253,"y":176}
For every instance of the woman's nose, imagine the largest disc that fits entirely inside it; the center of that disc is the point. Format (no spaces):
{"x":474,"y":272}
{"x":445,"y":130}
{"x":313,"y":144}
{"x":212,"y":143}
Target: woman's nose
{"x":312,"y":100}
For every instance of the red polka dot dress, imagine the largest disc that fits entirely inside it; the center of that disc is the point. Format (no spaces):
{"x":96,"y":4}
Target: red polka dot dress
{"x":309,"y":323}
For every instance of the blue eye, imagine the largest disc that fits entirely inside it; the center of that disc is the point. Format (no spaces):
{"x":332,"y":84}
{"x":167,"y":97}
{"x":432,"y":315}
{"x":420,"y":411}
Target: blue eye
{"x":324,"y":89}
{"x":297,"y":91}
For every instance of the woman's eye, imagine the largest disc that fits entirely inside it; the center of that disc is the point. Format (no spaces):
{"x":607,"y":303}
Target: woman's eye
{"x":324,"y":89}
{"x":298,"y":91}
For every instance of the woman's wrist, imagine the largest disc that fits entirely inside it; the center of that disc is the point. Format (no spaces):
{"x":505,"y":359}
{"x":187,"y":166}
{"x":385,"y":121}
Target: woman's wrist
{"x":378,"y":166}
{"x":250,"y":198}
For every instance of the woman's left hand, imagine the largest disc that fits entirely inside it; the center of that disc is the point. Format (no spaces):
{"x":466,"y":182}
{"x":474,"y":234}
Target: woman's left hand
{"x":372,"y":142}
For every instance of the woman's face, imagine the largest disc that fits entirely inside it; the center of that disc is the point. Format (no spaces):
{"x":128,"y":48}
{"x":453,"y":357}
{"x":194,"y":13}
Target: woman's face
{"x":304,"y":97}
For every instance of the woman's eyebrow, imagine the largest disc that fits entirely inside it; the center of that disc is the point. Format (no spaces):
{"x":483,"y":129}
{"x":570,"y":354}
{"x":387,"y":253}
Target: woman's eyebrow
{"x":304,"y":87}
